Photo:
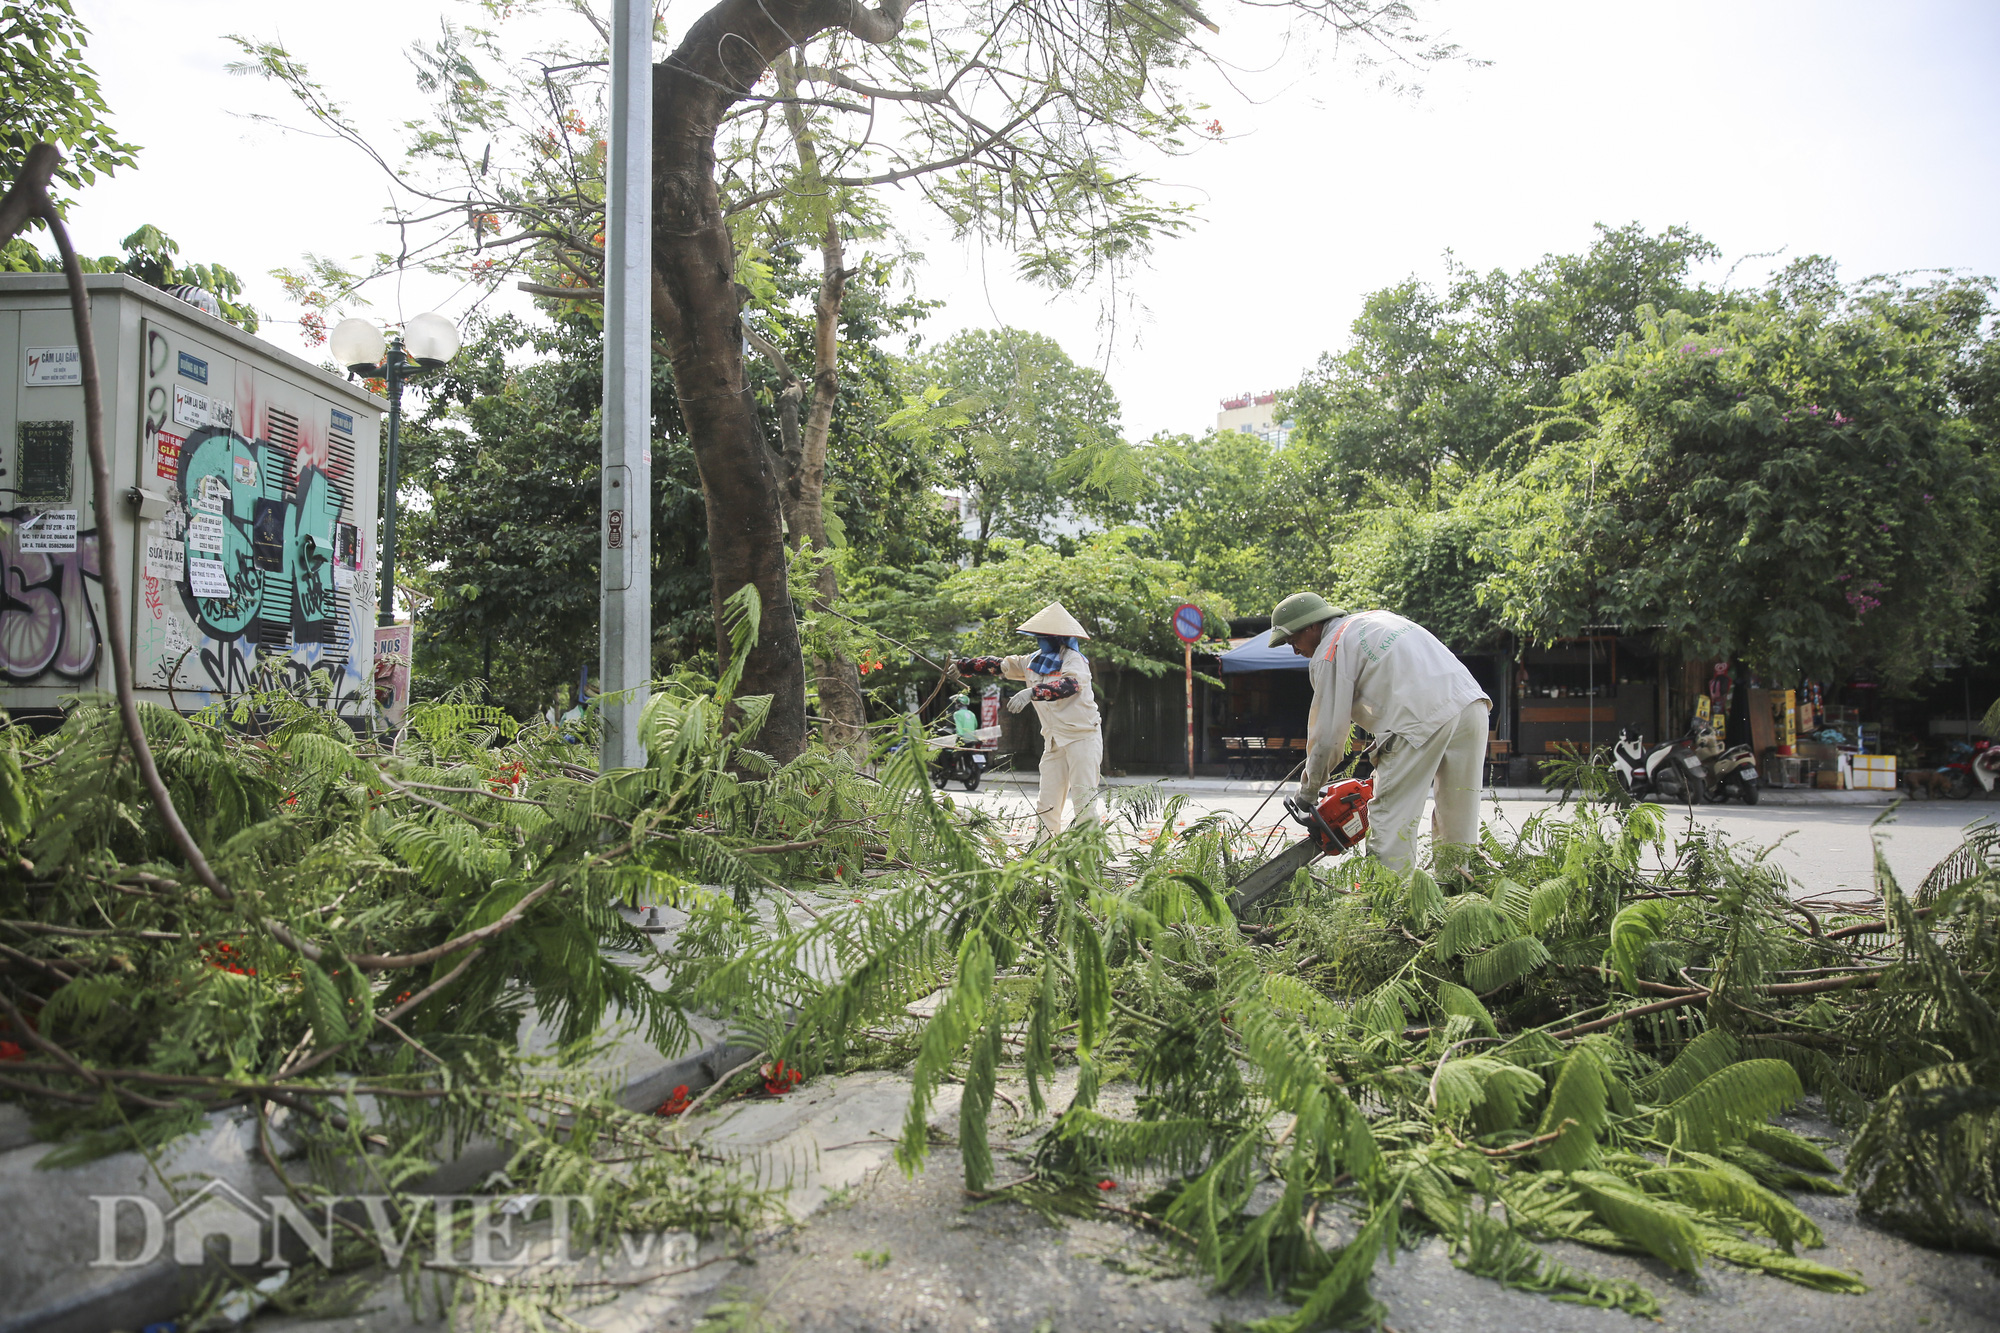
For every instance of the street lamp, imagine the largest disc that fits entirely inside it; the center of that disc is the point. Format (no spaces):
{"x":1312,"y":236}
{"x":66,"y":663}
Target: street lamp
{"x":425,"y":343}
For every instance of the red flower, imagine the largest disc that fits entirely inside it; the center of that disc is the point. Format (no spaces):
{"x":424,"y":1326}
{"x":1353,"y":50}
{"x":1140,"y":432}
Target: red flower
{"x":779,"y":1079}
{"x":10,"y":1050}
{"x":675,"y":1103}
{"x":1107,"y":1184}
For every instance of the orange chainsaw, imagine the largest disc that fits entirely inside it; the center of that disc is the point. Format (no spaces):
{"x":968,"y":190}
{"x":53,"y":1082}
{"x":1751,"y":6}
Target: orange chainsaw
{"x":1337,"y":824}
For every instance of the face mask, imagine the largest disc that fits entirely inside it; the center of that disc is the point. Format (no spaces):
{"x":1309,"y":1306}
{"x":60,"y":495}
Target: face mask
{"x":1049,"y":660}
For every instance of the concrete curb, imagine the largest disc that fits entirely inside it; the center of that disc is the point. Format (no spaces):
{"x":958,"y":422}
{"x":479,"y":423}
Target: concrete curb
{"x":54,"y":1288}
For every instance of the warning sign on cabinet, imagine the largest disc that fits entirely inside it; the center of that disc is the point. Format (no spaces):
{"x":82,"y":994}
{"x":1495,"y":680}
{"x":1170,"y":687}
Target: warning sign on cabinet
{"x":49,"y":366}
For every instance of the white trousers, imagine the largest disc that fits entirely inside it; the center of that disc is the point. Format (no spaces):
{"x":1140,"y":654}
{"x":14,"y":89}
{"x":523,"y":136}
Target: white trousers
{"x":1069,"y":773}
{"x":1450,"y":760}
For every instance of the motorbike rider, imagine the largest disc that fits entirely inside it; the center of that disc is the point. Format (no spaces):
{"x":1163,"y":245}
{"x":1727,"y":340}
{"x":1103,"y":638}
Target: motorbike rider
{"x":1427,"y":713}
{"x":1058,"y":684}
{"x":963,"y":720}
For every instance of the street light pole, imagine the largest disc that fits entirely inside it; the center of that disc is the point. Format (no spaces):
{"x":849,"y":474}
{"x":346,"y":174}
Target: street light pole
{"x":393,"y":372}
{"x":426,"y":342}
{"x":625,"y":538}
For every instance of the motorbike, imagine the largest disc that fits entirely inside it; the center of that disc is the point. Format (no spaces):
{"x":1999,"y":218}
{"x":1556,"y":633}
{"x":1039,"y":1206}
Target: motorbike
{"x":1727,"y":771}
{"x":1669,"y":771}
{"x":958,"y":763}
{"x":1977,"y":766}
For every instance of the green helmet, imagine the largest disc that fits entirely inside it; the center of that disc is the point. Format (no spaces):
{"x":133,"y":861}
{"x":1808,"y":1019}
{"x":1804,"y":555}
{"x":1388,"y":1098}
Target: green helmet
{"x":961,"y":700}
{"x":1298,"y":611}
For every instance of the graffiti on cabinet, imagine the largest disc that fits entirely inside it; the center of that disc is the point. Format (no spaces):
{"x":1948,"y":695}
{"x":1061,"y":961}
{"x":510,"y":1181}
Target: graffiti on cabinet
{"x":269,"y":513}
{"x":47,"y":623}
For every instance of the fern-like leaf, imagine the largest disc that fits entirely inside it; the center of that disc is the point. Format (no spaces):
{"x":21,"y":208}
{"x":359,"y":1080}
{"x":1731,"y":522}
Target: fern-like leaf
{"x":1728,"y":1104}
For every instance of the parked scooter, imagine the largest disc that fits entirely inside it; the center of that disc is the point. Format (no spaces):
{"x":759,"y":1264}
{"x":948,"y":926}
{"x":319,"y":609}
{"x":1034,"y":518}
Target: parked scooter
{"x":1977,"y":766}
{"x":959,"y":764}
{"x":1669,"y":771}
{"x":1728,"y":772}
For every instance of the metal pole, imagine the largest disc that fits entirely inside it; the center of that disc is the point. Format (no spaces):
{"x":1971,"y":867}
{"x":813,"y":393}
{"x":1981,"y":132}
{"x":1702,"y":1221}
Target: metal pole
{"x":625,"y":604}
{"x":393,"y":372}
{"x":1187,"y":661}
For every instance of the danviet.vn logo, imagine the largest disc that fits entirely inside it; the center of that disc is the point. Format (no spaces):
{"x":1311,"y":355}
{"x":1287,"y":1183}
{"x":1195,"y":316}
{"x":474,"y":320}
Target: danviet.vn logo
{"x":273,"y":1231}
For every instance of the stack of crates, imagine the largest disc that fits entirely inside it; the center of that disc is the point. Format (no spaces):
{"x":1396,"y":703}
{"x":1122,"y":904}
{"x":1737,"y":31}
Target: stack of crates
{"x":1872,"y":772}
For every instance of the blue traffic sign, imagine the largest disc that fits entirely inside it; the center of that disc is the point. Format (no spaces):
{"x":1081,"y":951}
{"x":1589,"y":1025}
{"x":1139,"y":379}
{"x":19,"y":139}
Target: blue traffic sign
{"x":1188,"y":622}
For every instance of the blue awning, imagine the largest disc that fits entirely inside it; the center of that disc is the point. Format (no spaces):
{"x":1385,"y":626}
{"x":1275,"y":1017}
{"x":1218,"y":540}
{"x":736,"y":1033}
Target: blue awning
{"x":1257,"y":654}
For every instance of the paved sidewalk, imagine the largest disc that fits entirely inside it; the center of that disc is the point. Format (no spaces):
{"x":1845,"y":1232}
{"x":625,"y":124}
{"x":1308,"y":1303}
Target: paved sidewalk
{"x":1204,"y":786}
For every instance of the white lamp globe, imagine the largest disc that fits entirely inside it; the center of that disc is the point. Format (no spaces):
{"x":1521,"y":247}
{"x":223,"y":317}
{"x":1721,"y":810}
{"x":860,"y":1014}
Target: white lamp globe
{"x":431,"y":340}
{"x":358,"y":345}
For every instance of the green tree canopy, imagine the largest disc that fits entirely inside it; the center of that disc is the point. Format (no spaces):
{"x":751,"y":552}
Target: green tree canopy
{"x":49,"y":94}
{"x":1433,"y":385}
{"x":504,"y":536}
{"x":1125,"y":599}
{"x":150,"y":257}
{"x":1795,"y":484}
{"x":1206,"y":503}
{"x":1029,"y":408}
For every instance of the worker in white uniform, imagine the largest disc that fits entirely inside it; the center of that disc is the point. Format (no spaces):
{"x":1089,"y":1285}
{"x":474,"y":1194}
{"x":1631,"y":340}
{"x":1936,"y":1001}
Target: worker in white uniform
{"x":1058,"y":684}
{"x":1427,"y":713}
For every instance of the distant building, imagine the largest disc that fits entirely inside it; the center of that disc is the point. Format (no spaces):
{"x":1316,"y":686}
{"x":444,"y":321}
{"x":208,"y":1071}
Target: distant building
{"x":1254,"y":414}
{"x":963,"y":505}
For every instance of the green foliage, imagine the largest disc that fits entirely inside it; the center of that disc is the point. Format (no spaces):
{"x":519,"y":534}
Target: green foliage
{"x":1206,"y":504}
{"x":1253,"y":1064}
{"x":150,"y":257}
{"x":1789,"y":483}
{"x":1432,"y":1094}
{"x":1125,"y":599}
{"x":506,"y":548}
{"x":1490,"y":1248}
{"x":393,"y":922}
{"x":1023,"y":411}
{"x":48,"y":94}
{"x":1439,"y":384}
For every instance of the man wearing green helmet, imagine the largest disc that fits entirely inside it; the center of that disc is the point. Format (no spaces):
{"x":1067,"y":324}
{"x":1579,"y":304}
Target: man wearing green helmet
{"x":963,"y":720}
{"x":1428,"y":716}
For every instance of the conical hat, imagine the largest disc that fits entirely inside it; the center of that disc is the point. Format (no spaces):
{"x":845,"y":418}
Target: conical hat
{"x":1052,"y":619}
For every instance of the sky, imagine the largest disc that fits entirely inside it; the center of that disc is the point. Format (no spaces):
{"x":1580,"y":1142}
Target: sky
{"x":1863,"y":131}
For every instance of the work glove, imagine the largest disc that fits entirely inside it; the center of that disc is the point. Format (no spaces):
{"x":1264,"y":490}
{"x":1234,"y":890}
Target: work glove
{"x":1018,"y":700}
{"x":1308,"y":792}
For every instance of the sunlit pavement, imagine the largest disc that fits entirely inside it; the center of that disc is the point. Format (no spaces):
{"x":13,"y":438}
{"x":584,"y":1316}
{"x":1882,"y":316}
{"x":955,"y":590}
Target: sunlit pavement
{"x":1828,"y":849}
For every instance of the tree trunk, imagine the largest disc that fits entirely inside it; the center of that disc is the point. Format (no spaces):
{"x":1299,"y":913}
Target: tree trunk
{"x":838,"y":681}
{"x":699,"y":320}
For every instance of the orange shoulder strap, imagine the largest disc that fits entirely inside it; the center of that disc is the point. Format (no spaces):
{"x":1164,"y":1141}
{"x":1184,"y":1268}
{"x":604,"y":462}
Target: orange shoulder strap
{"x":1331,"y":644}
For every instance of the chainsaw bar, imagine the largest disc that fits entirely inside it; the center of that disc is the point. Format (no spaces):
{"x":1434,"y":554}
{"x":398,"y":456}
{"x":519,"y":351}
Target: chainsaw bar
{"x":1274,"y":874}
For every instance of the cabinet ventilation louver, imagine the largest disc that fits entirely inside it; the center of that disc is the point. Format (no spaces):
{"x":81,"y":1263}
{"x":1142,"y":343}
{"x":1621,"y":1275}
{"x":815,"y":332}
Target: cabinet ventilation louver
{"x":274,"y":616}
{"x":340,"y":467}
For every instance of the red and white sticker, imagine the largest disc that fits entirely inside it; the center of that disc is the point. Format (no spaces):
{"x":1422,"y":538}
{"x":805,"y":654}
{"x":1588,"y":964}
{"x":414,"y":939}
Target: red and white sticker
{"x":169,"y":465}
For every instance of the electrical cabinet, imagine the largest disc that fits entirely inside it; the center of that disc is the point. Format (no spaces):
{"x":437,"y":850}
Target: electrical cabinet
{"x":244,"y":495}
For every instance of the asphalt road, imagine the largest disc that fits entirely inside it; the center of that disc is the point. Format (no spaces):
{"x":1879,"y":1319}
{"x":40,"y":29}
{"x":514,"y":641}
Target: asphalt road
{"x":1825,"y":848}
